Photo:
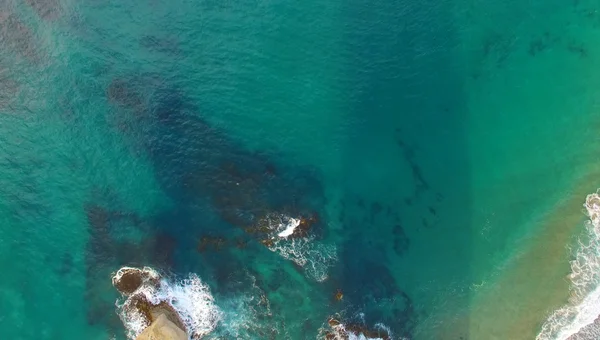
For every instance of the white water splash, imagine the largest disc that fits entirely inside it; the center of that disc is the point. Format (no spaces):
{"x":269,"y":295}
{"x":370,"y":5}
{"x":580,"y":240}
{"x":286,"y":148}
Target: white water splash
{"x":289,"y":228}
{"x":584,"y":304}
{"x":314,"y":257}
{"x":339,"y":332}
{"x":190,"y":298}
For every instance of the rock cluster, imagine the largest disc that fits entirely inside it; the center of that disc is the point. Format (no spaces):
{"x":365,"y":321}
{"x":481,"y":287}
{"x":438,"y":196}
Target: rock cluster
{"x":340,"y":331}
{"x":162,"y":319}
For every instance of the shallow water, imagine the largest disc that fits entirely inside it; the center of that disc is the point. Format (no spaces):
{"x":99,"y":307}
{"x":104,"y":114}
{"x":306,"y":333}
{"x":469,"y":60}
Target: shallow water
{"x":446,"y":148}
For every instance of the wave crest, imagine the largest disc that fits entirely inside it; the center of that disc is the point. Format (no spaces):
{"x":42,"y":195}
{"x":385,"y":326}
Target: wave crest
{"x":584,"y":303}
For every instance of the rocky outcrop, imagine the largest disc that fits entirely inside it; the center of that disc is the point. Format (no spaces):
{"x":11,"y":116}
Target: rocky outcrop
{"x":162,"y":329}
{"x":162,"y":320}
{"x":340,"y":331}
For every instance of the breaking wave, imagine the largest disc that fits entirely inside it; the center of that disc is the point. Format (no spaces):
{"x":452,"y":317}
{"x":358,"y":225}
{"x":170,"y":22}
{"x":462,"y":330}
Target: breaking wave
{"x":576,"y":320}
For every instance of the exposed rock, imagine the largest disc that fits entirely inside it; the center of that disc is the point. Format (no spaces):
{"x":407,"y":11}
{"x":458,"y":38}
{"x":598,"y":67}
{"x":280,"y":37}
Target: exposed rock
{"x":150,"y":312}
{"x":162,"y":329}
{"x":268,"y":227}
{"x":127,"y":280}
{"x":339,"y":295}
{"x":305,"y":224}
{"x":340,"y":331}
{"x":134,"y":282}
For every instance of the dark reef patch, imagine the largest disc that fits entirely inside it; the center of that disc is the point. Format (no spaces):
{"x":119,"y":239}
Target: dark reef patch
{"x":497,"y":48}
{"x":160,"y":44}
{"x":100,"y":261}
{"x":537,"y":46}
{"x":195,"y":162}
{"x":122,"y":93}
{"x":66,"y":264}
{"x":408,"y":153}
{"x":9,"y":89}
{"x":401,"y":241}
{"x":578,"y":49}
{"x":219,"y":192}
{"x":369,"y":284}
{"x":16,"y":36}
{"x":364,"y":271}
{"x":45,"y":9}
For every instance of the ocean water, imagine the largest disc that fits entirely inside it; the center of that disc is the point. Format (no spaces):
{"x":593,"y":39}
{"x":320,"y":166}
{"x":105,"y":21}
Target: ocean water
{"x":443,"y":151}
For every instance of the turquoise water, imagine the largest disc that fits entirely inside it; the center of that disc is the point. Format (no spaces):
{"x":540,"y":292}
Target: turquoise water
{"x":438,"y":142}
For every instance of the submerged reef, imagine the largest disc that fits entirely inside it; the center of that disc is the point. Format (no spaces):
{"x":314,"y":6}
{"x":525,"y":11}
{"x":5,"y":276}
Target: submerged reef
{"x":369,"y":283}
{"x":208,"y":177}
{"x":196,"y":161}
{"x":225,"y":199}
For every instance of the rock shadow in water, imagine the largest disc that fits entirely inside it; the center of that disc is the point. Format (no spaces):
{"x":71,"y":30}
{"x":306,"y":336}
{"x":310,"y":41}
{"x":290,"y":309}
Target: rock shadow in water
{"x":107,"y":250}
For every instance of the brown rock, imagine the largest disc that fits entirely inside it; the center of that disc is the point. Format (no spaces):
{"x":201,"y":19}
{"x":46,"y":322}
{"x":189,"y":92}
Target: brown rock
{"x":339,"y":295}
{"x":267,"y":242}
{"x":151,"y":312}
{"x":333,"y":322}
{"x":127,"y":280}
{"x":343,"y":331}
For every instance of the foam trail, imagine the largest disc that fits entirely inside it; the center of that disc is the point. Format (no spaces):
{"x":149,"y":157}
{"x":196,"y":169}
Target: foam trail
{"x":244,"y":315}
{"x":584,"y":305}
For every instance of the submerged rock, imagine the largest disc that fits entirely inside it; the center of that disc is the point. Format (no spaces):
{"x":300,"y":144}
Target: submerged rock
{"x":211,"y":242}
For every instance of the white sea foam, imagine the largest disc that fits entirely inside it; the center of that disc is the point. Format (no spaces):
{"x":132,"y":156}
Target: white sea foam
{"x":149,"y":272}
{"x":313,"y":256}
{"x":584,"y":305}
{"x":361,"y":337}
{"x":190,"y":298}
{"x":289,"y":228}
{"x":244,"y":314}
